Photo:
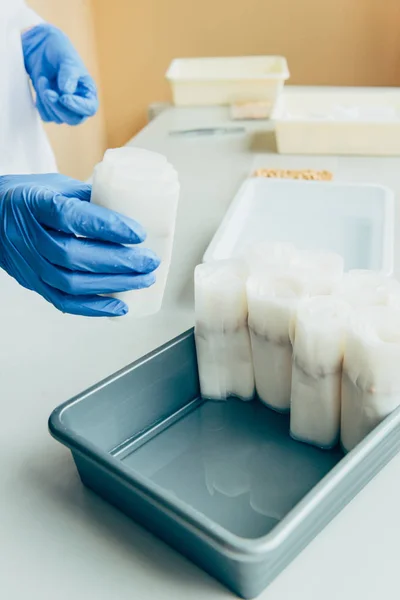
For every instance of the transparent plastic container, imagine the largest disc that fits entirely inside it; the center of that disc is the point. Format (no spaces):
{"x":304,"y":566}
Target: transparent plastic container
{"x":215,"y":81}
{"x":352,"y":219}
{"x":334,"y":121}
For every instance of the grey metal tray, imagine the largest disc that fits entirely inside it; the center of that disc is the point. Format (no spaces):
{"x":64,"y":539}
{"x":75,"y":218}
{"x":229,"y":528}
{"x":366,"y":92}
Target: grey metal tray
{"x":223,"y":483}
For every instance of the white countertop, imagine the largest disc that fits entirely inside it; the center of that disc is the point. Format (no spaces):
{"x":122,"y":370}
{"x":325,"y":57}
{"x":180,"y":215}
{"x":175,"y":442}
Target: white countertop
{"x":57,"y":539}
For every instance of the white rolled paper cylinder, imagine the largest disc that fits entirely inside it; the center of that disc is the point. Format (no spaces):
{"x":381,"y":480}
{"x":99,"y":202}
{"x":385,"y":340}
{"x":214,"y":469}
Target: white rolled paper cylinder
{"x":264,"y":257}
{"x":318,"y":347}
{"x":220,"y":295}
{"x":371,"y":373}
{"x":221,"y":332}
{"x":325,"y":268}
{"x":272,"y":303}
{"x":363,"y":288}
{"x":143,"y":186}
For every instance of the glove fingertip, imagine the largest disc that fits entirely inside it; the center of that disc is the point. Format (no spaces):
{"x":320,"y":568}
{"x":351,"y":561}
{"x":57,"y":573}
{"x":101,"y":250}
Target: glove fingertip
{"x":43,"y":82}
{"x":74,"y":121}
{"x":131,"y":231}
{"x":137,"y":236}
{"x":145,"y":281}
{"x":67,"y":85}
{"x":65,"y":100}
{"x":51,"y":96}
{"x":117,"y":308}
{"x":68,"y":77}
{"x":151,"y":262}
{"x":84,"y":107}
{"x":85,"y":192}
{"x":88,"y":306}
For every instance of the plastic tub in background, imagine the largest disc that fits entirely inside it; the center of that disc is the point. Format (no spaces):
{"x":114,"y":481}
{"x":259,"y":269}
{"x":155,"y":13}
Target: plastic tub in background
{"x":332,"y":121}
{"x":222,"y":482}
{"x":216,"y":81}
{"x":353,"y":219}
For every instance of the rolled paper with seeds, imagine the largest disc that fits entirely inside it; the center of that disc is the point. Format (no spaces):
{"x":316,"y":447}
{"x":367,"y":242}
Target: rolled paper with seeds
{"x":221,"y":331}
{"x":318,"y":346}
{"x":371,"y":373}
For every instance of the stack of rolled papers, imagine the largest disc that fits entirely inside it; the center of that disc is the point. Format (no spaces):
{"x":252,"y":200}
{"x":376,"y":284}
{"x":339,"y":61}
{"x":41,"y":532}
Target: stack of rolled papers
{"x":324,"y":345}
{"x":143,"y":186}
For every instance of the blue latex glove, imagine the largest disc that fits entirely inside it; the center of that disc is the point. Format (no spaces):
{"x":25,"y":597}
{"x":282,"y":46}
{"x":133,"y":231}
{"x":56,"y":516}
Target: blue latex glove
{"x":65,"y":92}
{"x":40,"y":219}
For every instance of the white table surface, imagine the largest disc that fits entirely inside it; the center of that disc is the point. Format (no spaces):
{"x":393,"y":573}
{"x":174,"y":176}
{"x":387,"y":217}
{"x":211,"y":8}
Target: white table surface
{"x":57,"y":539}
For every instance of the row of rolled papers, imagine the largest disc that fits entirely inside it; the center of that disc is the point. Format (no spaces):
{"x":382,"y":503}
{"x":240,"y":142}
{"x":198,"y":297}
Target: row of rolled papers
{"x":293,"y":329}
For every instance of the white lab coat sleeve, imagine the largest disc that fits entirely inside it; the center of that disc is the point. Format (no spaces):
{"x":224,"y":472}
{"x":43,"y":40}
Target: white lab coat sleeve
{"x":26,"y":17}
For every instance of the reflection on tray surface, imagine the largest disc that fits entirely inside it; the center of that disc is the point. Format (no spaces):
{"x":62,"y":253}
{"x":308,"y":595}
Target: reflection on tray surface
{"x":235,"y":463}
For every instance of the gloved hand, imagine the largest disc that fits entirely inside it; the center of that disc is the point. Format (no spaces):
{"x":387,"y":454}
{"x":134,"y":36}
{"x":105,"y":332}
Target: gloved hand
{"x":65,"y":92}
{"x":41,"y":217}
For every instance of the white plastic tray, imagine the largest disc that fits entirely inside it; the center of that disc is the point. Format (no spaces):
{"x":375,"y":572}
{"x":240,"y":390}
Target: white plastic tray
{"x":333,"y":121}
{"x":227,"y":80}
{"x":356,"y":220}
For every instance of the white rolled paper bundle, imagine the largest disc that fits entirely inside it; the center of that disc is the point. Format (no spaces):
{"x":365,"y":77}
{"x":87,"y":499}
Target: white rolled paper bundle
{"x":368,"y":288}
{"x":318,"y":348}
{"x":325,"y":268}
{"x":371,"y":373}
{"x":143,"y":186}
{"x":272,"y":303}
{"x":264,"y":257}
{"x":273,"y":294}
{"x":222,"y":337}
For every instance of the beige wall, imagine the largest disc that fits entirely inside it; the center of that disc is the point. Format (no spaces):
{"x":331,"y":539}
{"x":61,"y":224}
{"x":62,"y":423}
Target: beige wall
{"x":77,"y":148}
{"x":131,"y":42}
{"x":344,"y":42}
